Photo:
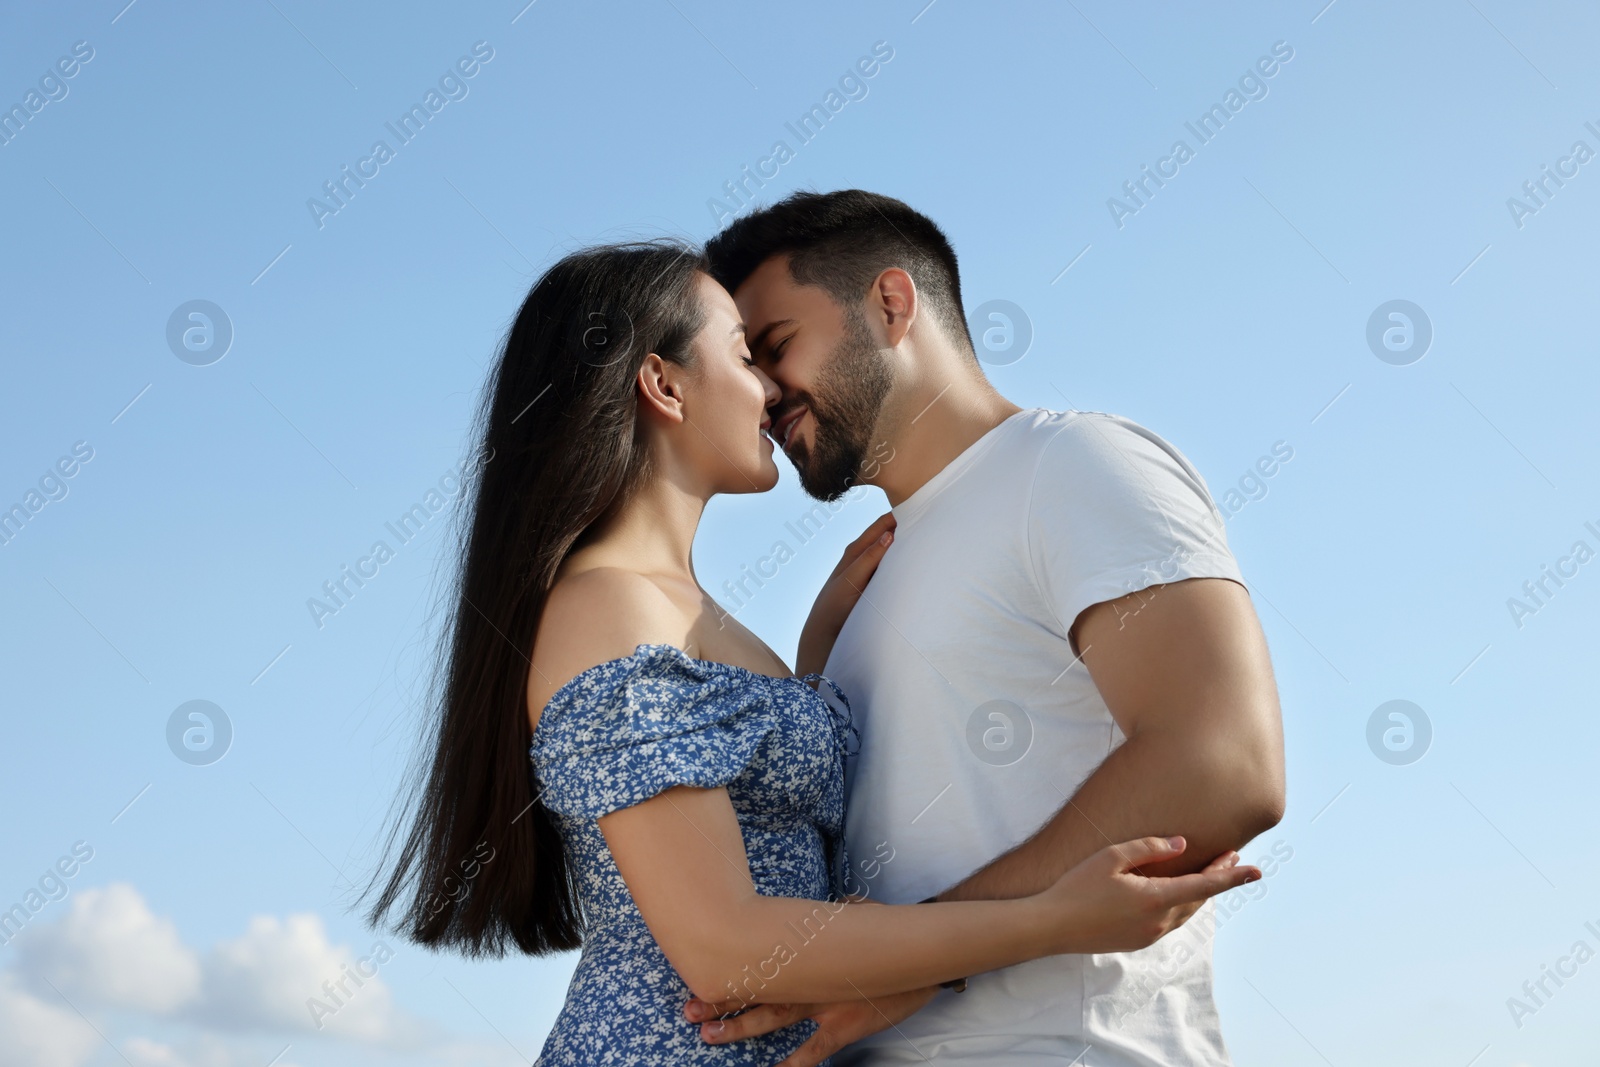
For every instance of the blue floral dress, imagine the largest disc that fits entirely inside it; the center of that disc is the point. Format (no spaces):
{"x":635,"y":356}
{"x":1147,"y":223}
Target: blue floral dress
{"x":625,"y":730}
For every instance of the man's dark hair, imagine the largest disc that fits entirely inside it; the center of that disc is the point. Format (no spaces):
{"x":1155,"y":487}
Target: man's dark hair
{"x":840,"y":242}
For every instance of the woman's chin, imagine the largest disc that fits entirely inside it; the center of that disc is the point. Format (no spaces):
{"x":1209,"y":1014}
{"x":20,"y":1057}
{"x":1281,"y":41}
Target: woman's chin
{"x":765,"y":476}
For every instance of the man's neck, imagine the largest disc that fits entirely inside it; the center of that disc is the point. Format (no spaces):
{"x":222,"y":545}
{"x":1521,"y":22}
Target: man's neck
{"x":934,"y":428}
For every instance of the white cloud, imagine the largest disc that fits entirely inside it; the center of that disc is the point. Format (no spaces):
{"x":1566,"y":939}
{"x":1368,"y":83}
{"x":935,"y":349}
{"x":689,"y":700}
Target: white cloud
{"x":148,"y":1053}
{"x":203,"y":1050}
{"x":110,"y":950}
{"x":287,"y":975}
{"x":40,"y":1034}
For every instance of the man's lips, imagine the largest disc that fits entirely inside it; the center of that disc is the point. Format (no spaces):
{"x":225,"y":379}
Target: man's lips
{"x":783,"y":428}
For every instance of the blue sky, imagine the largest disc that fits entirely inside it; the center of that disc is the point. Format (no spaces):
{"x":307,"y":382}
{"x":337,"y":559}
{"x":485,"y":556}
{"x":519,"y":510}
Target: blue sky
{"x":1229,"y":312}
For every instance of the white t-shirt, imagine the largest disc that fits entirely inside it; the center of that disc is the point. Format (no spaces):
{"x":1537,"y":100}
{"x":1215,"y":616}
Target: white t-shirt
{"x":978,"y":723}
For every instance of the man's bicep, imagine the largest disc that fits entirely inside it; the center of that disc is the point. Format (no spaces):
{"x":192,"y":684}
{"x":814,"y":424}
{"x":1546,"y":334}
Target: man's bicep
{"x":1188,"y":656}
{"x":1186,"y":676}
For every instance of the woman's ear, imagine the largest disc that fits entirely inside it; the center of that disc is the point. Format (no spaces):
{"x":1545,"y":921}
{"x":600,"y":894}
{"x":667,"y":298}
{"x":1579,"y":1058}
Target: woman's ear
{"x":661,"y":387}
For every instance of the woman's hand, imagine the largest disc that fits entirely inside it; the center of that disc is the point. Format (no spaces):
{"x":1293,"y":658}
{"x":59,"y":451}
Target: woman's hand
{"x":1105,"y":905}
{"x":840,"y":593}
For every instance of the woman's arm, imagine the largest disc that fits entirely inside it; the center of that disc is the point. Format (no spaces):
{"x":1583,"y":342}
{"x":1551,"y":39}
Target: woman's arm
{"x":682,"y":856}
{"x":840,"y":593}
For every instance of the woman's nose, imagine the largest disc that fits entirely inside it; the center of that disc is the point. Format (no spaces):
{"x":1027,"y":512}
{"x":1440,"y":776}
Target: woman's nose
{"x":769,"y":388}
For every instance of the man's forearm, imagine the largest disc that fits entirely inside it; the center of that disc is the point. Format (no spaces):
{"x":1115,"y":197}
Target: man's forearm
{"x":1151,"y":784}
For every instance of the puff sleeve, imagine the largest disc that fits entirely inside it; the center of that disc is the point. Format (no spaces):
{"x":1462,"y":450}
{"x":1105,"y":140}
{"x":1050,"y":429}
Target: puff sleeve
{"x":629,"y":729}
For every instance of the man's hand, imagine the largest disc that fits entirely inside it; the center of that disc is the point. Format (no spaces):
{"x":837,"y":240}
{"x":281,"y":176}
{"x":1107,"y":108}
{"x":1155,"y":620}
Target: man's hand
{"x":839,"y":1024}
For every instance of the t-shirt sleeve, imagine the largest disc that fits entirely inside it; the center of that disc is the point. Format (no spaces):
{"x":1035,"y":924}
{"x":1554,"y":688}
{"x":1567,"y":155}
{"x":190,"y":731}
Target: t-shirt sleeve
{"x":659,"y":720}
{"x":1114,"y":509}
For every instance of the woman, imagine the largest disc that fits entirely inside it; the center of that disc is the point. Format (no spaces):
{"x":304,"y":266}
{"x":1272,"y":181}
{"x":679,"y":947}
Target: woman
{"x":682,"y":819}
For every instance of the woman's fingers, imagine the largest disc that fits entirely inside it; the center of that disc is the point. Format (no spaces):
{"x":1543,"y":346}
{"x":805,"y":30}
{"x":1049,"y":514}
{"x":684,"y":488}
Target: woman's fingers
{"x":881,"y":523}
{"x":1188,"y":888}
{"x":1141,"y":850}
{"x":861,"y":569}
{"x":868,"y":537}
{"x":1182,"y":913}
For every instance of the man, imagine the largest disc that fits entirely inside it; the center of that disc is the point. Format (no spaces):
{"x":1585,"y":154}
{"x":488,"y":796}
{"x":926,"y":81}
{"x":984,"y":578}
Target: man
{"x":1057,"y":652}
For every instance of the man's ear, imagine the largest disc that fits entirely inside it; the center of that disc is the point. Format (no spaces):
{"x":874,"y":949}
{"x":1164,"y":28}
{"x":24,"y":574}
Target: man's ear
{"x":893,"y":300}
{"x":660,"y":387}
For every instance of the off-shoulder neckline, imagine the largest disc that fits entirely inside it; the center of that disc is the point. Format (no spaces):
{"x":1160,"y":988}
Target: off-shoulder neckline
{"x":562,"y":689}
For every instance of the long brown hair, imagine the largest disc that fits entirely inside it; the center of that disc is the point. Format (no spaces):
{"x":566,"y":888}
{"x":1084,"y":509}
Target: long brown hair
{"x":481,"y":866}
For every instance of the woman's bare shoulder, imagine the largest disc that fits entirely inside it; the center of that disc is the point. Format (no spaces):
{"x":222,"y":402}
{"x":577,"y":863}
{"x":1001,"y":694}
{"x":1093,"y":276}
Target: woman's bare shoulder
{"x":593,"y":616}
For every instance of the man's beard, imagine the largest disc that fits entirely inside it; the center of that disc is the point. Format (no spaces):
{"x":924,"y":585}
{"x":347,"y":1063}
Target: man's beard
{"x":844,"y":410}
